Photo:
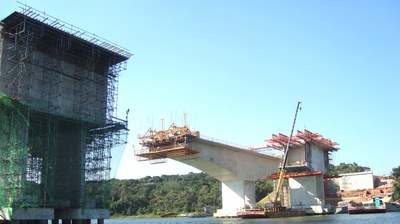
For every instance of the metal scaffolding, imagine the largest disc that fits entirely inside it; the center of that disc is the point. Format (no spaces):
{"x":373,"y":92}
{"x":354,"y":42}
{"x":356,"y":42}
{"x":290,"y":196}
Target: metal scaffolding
{"x":52,"y":74}
{"x":61,"y":83}
{"x":100,"y":142}
{"x":13,"y":152}
{"x":160,"y":145}
{"x":20,"y":56}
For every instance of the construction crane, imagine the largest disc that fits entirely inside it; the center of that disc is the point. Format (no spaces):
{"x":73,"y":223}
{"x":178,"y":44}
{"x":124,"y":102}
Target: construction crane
{"x":276,"y":209}
{"x":283,"y":171}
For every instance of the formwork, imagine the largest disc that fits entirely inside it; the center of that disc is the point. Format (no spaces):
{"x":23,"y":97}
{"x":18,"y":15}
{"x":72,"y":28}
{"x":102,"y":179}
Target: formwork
{"x":58,"y":124}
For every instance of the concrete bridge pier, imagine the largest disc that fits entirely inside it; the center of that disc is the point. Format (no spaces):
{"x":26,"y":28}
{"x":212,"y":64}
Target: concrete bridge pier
{"x":236,"y":168}
{"x":234,"y":193}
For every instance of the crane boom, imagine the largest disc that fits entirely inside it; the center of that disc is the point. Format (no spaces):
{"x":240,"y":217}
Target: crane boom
{"x":283,"y":171}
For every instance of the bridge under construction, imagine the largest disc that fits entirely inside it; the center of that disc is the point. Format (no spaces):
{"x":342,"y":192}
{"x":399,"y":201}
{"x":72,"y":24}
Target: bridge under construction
{"x":238,"y":168}
{"x":58,"y":124}
{"x":58,"y":88}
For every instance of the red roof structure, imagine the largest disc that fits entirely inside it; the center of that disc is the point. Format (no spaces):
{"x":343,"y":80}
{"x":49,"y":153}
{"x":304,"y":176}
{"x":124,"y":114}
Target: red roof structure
{"x":280,"y":141}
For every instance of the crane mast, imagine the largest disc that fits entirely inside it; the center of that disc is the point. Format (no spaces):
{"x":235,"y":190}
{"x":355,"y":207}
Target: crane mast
{"x":283,"y":171}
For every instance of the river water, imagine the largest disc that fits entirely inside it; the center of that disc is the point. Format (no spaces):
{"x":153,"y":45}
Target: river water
{"x":382,"y":218}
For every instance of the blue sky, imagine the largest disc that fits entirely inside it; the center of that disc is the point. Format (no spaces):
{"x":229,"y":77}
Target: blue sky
{"x":238,"y":68}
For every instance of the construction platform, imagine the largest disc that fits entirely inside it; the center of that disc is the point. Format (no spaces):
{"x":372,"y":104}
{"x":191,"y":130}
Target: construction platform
{"x":173,"y":142}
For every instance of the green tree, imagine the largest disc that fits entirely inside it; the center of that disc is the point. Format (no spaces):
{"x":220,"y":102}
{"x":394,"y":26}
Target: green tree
{"x":172,"y":193}
{"x":396,"y":185}
{"x":263,"y":188}
{"x":155,"y":195}
{"x":346,"y":168}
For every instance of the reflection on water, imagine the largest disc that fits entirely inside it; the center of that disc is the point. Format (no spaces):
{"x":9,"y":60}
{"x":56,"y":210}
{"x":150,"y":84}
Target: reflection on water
{"x":393,"y":217}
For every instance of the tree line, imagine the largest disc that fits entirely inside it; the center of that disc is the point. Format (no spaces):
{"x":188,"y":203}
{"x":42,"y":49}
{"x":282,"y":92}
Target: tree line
{"x":165,"y":194}
{"x":346,"y":168}
{"x":189,"y":193}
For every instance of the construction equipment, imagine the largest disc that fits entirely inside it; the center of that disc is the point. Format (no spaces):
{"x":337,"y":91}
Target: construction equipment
{"x":283,"y":171}
{"x":276,"y":210}
{"x":160,"y":145}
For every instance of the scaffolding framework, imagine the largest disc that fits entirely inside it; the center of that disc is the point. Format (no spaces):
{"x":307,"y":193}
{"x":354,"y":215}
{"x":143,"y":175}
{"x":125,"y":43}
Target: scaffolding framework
{"x":279,"y":141}
{"x":160,"y":145}
{"x":61,"y":83}
{"x":100,"y":142}
{"x":303,"y":140}
{"x":13,"y":152}
{"x":20,"y":56}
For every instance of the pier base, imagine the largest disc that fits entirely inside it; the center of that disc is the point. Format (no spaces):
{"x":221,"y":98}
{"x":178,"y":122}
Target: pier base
{"x":82,"y":214}
{"x":24,"y":214}
{"x":44,"y":215}
{"x":225,"y":214}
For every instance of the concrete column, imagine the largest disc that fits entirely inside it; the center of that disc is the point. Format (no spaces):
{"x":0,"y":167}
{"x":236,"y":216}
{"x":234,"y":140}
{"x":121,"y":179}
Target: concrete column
{"x":78,"y":221}
{"x":69,"y":174}
{"x":66,"y":221}
{"x":249,"y":192}
{"x":237,"y":194}
{"x":40,"y":221}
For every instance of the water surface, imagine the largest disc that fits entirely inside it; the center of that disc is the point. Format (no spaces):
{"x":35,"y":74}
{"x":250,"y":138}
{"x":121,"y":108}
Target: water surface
{"x":382,"y":218}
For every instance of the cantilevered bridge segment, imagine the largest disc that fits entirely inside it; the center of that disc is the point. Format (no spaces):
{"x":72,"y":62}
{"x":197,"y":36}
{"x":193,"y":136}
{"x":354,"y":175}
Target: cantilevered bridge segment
{"x":237,"y":168}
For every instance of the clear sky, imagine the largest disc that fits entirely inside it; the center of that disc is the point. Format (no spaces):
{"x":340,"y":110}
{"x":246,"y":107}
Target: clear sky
{"x":238,"y":68}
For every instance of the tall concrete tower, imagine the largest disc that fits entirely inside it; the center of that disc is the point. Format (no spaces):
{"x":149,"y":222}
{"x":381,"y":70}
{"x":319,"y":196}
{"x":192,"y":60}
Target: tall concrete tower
{"x":58,"y":88}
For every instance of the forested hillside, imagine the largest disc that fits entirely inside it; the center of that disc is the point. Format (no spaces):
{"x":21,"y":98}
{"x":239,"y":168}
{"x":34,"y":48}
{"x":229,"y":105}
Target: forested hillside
{"x":169,"y":194}
{"x":186,"y":193}
{"x":156,"y":195}
{"x":180,"y":193}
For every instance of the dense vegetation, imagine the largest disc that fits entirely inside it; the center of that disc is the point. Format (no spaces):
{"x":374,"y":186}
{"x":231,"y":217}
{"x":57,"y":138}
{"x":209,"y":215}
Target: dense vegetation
{"x":165,"y":194}
{"x":263,"y":188}
{"x":396,"y":176}
{"x":169,"y":194}
{"x":346,"y":168}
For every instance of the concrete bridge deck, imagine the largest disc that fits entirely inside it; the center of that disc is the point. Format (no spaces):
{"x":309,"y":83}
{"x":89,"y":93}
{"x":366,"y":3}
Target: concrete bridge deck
{"x":237,"y":168}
